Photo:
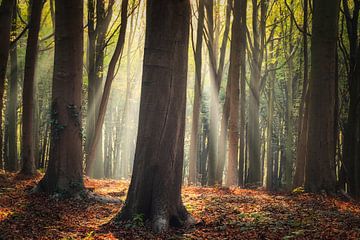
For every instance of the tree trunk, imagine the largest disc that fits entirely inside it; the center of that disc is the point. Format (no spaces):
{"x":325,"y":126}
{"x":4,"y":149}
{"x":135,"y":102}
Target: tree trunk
{"x":6,"y":11}
{"x":64,"y":174}
{"x":242,"y":92}
{"x":28,"y":167}
{"x":10,"y":145}
{"x":254,"y":174}
{"x":222,"y":143}
{"x":299,"y":175}
{"x":155,"y":188}
{"x":234,"y":76}
{"x":194,"y":142}
{"x":320,"y":145}
{"x":94,"y":142}
{"x":351,"y":160}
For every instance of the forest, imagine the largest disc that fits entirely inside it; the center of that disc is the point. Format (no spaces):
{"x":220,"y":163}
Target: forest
{"x":179,"y":119}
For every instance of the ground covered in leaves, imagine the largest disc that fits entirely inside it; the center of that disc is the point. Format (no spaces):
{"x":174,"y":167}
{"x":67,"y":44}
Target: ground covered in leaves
{"x":221,"y":213}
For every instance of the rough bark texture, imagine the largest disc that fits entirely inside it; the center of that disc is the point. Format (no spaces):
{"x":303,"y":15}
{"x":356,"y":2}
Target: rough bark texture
{"x":197,"y":96}
{"x":6,"y":10}
{"x":28,"y":167}
{"x":234,"y":76}
{"x":320,"y":165}
{"x":64,"y":174}
{"x":155,"y":188}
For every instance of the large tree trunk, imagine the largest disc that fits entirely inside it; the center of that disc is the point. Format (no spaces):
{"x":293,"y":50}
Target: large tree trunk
{"x":155,"y":188}
{"x":194,"y":142}
{"x":6,"y":10}
{"x":65,"y":173}
{"x":320,"y":165}
{"x":28,"y":167}
{"x":234,"y":76}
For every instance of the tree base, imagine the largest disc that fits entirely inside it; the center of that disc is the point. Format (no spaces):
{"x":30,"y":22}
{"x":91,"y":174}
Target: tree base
{"x":160,"y":221}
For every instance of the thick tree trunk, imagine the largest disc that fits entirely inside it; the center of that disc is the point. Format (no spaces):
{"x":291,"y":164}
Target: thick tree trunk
{"x":28,"y":167}
{"x":194,"y":142}
{"x":320,"y":145}
{"x":234,"y":76}
{"x":64,"y":174}
{"x":155,"y":188}
{"x":6,"y":11}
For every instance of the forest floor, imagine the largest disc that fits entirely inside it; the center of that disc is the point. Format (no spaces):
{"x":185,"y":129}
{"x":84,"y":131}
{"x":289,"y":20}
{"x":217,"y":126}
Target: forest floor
{"x":222,"y":213}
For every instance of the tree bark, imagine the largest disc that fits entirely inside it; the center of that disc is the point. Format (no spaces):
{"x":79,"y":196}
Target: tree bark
{"x":254,"y":172}
{"x":155,"y":188}
{"x":234,"y":76}
{"x":28,"y":167}
{"x":6,"y":11}
{"x":194,"y":142}
{"x":242,"y":93}
{"x":299,"y":175}
{"x":351,"y":160}
{"x":320,"y":165}
{"x":64,"y":174}
{"x":106,"y":93}
{"x":10,"y":145}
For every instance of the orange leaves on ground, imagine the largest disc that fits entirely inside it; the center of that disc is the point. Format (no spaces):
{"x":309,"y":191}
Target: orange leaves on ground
{"x":222,"y":213}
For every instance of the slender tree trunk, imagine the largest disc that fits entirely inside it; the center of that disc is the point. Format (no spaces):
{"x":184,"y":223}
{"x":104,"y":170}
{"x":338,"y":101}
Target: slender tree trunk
{"x":10,"y":141}
{"x":28,"y":167}
{"x":155,"y":188}
{"x":320,"y":144}
{"x":299,"y":175}
{"x":6,"y":11}
{"x":254,"y":172}
{"x":242,"y":92}
{"x":64,"y":174}
{"x":351,"y":160}
{"x":222,"y":143}
{"x":106,"y":93}
{"x":194,"y":142}
{"x":234,"y":76}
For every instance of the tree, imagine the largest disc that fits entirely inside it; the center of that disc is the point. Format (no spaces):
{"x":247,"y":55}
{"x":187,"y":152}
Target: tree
{"x":352,"y":129}
{"x":106,"y":93}
{"x":257,"y":53}
{"x":64,"y":174}
{"x":197,"y":95}
{"x":320,"y":157}
{"x":242,"y":92}
{"x":28,"y":167}
{"x":155,"y":188}
{"x":303,"y":112}
{"x":234,"y":76}
{"x":6,"y":11}
{"x":10,"y":136}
